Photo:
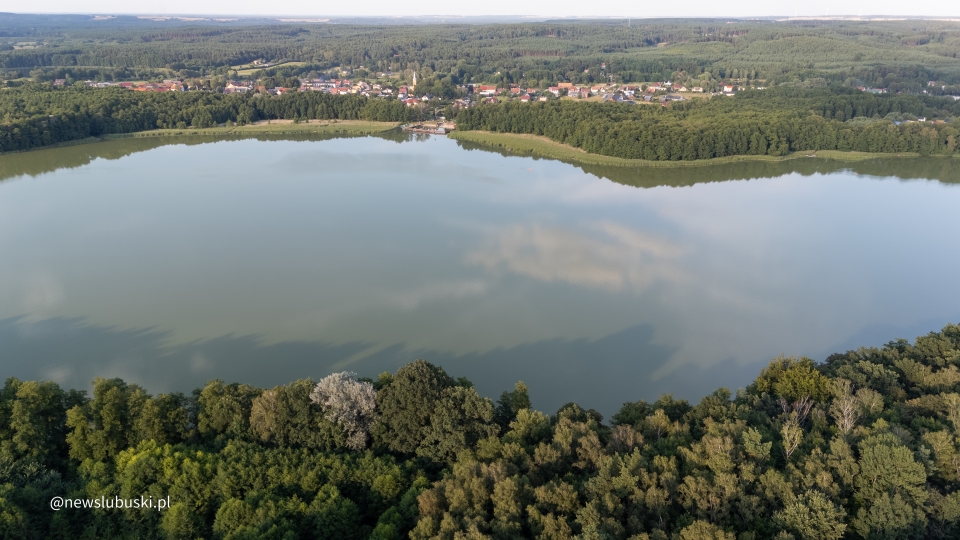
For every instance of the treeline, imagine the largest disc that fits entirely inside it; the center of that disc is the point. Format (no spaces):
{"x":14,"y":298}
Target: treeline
{"x":864,"y":445}
{"x":770,"y":122}
{"x":40,"y":115}
{"x":900,"y":55}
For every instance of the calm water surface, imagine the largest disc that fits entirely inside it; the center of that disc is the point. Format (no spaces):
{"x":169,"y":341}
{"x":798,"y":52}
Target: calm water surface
{"x":268,"y":261}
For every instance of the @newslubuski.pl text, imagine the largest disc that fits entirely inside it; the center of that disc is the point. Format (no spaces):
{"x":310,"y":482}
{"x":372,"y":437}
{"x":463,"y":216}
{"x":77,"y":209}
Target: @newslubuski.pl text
{"x":111,"y":503}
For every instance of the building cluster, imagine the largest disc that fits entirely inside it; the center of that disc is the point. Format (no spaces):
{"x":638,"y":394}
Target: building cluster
{"x":663,"y":92}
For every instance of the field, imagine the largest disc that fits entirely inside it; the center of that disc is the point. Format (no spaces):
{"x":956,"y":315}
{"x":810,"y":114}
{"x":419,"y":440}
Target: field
{"x":247,"y":70}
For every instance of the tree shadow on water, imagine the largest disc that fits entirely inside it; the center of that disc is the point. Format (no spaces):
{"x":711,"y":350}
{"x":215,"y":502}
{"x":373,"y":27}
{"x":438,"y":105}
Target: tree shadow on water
{"x":601,"y":374}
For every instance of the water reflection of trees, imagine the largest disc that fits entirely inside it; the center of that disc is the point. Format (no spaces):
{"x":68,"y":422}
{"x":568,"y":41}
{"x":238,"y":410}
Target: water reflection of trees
{"x":46,"y":160}
{"x":946,"y":170}
{"x":598,"y":373}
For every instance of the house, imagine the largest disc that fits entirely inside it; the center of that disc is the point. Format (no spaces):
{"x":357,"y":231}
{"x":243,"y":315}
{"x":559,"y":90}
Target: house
{"x":235,"y":88}
{"x":555,"y":90}
{"x":490,"y":100}
{"x":525,"y":98}
{"x":595,"y":89}
{"x":566,"y":85}
{"x":410,"y":102}
{"x":59,"y":82}
{"x":697,"y":89}
{"x":487,"y":90}
{"x":515,"y":91}
{"x":728,"y":89}
{"x":584,"y":93}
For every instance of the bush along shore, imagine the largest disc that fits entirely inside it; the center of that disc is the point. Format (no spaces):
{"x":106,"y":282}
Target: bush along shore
{"x":863,"y":445}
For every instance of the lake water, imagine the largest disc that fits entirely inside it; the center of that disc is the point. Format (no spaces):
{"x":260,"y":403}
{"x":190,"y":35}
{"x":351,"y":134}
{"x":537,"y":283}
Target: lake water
{"x":266,"y":261}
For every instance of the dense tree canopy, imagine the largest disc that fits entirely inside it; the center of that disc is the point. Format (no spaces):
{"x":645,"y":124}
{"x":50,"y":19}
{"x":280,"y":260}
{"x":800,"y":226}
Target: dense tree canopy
{"x":764,"y":122}
{"x":899,"y":55}
{"x":39,"y":115}
{"x":863,"y":445}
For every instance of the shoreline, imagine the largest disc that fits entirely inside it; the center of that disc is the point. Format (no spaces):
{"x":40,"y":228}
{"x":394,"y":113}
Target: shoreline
{"x":514,"y":144}
{"x":271,"y":127}
{"x":540,"y":146}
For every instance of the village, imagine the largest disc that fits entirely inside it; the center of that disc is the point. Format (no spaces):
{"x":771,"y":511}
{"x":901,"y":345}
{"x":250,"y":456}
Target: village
{"x":656,"y":92}
{"x":467,"y":95}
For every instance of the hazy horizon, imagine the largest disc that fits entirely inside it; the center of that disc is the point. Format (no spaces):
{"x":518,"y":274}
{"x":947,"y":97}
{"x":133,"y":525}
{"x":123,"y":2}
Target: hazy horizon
{"x":502,"y":8}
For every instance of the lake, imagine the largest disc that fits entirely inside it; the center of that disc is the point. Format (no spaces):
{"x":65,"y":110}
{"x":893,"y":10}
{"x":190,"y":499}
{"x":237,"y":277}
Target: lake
{"x":169,"y":263}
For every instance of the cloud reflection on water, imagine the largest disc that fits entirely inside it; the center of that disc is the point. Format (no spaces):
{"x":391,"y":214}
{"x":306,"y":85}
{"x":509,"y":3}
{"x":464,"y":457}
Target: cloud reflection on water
{"x":601,"y":254}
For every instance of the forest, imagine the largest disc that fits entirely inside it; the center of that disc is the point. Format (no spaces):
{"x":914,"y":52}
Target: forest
{"x":39,"y":115}
{"x":809,"y":71}
{"x":863,"y":445}
{"x":901,"y":55}
{"x":763,"y":122}
{"x":771,"y":122}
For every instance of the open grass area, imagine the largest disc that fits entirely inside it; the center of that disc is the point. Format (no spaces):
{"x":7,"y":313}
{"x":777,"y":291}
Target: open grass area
{"x":250,"y":69}
{"x":541,"y":146}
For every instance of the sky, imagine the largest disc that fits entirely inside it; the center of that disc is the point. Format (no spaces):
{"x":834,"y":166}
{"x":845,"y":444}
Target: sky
{"x":553,"y":8}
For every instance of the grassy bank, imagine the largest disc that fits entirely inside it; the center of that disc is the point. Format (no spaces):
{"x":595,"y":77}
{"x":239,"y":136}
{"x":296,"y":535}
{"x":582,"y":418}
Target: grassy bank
{"x":275,"y":127}
{"x":272,"y":127}
{"x":544,"y":147}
